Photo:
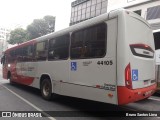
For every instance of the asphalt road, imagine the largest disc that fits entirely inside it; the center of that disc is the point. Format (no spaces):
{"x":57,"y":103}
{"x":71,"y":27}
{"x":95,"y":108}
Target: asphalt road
{"x":23,"y":98}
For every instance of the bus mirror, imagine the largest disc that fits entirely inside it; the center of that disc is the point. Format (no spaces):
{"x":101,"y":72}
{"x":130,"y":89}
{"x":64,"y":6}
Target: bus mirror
{"x":2,"y":60}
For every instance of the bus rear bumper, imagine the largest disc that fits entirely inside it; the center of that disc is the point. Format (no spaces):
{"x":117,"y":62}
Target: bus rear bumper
{"x":126,"y":95}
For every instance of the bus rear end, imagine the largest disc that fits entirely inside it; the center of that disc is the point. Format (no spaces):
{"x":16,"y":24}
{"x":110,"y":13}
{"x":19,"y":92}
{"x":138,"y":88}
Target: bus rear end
{"x":137,"y":66}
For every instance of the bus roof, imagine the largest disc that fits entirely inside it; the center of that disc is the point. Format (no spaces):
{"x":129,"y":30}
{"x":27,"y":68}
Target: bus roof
{"x":83,"y":24}
{"x":75,"y":27}
{"x":158,"y":30}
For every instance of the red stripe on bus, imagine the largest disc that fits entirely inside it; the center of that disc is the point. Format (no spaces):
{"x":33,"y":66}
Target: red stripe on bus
{"x":24,"y":80}
{"x":126,"y":95}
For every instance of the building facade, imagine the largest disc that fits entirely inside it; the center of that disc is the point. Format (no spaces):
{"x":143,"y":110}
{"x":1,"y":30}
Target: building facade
{"x":4,"y":37}
{"x":148,"y":9}
{"x":85,"y":9}
{"x":114,"y":4}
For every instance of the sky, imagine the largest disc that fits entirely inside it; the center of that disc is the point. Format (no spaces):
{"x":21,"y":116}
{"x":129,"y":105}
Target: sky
{"x":21,"y":13}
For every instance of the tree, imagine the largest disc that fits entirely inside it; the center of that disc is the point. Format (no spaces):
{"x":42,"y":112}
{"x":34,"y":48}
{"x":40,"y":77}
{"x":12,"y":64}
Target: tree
{"x":41,"y":27}
{"x":50,"y":21}
{"x":18,"y":36}
{"x":38,"y":28}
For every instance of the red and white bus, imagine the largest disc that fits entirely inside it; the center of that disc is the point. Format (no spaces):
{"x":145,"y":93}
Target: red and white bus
{"x":109,"y":59}
{"x":156,"y":34}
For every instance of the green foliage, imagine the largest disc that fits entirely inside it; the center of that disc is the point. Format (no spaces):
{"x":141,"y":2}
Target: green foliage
{"x":41,"y":27}
{"x":38,"y":28}
{"x":18,"y":36}
{"x":50,"y":22}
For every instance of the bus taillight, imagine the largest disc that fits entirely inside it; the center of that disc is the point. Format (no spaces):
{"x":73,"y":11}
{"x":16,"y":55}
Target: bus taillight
{"x":128,"y":81}
{"x":142,"y":50}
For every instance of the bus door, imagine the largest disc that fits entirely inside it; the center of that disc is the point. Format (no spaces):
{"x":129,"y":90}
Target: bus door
{"x":93,"y":62}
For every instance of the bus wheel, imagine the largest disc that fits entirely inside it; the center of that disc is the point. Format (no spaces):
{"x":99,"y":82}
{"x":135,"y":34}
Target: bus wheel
{"x":10,"y":79}
{"x":46,"y":89}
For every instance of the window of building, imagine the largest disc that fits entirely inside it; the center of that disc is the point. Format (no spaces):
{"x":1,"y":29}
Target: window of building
{"x":79,"y":12}
{"x":72,"y":9}
{"x":88,"y":3}
{"x":93,"y":13}
{"x":87,"y":15}
{"x":104,"y":4}
{"x":93,"y":2}
{"x":75,"y":19}
{"x":153,"y":12}
{"x":98,"y":6}
{"x":79,"y":18}
{"x":84,"y":5}
{"x":83,"y":17}
{"x":72,"y":20}
{"x":76,"y":8}
{"x":89,"y":42}
{"x":103,"y":10}
{"x":41,"y":50}
{"x":138,"y":12}
{"x":130,"y":0}
{"x":98,"y":12}
{"x":72,"y":15}
{"x":83,"y":11}
{"x":98,"y":1}
{"x":75,"y":14}
{"x":88,"y":9}
{"x":93,"y":8}
{"x":59,"y":48}
{"x":79,"y":7}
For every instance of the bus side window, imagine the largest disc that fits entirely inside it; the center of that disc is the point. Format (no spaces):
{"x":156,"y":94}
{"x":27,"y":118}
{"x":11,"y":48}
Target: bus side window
{"x":77,"y":50}
{"x":59,"y":48}
{"x":95,"y":41}
{"x":28,"y":53}
{"x":41,"y":50}
{"x":12,"y":56}
{"x":19,"y":54}
{"x":89,"y":42}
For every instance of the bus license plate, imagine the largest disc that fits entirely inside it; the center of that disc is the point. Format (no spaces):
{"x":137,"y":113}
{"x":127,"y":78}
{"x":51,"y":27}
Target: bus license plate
{"x":146,"y":82}
{"x":148,"y":93}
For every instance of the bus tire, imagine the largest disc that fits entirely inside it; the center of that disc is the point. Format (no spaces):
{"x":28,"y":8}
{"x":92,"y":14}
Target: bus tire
{"x":10,"y":78}
{"x":46,"y":89}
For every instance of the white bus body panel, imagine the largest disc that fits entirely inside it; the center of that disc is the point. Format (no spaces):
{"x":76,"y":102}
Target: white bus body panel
{"x":89,"y":74}
{"x":136,"y":31}
{"x":83,"y":82}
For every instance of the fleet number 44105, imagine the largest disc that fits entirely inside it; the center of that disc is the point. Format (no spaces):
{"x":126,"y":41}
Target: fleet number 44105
{"x":106,"y":62}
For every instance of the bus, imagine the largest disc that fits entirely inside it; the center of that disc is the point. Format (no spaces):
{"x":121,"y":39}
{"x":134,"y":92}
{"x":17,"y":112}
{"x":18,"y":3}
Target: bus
{"x":156,"y":34}
{"x":109,"y":58}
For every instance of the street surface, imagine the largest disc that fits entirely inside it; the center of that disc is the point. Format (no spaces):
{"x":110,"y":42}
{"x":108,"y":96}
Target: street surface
{"x":23,"y":98}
